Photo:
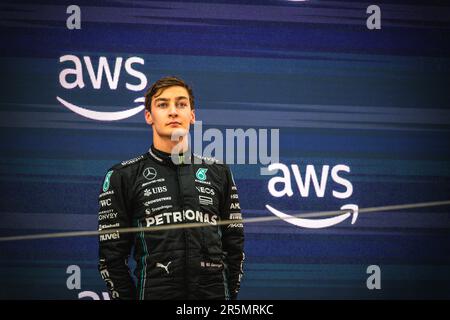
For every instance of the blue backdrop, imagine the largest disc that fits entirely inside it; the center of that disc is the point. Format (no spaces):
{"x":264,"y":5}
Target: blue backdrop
{"x":376,"y":101}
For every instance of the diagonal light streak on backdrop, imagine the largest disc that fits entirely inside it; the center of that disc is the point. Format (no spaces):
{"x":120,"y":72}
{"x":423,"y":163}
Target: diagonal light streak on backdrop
{"x":223,"y":222}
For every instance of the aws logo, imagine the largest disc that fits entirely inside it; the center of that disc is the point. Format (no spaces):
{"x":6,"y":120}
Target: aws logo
{"x":74,"y":76}
{"x":303,"y":183}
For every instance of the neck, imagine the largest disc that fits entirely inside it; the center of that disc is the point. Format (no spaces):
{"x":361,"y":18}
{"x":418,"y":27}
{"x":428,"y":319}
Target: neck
{"x":169,"y":146}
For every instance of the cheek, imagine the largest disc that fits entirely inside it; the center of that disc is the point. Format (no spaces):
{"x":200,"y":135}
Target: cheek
{"x":188,"y":115}
{"x":157,"y":117}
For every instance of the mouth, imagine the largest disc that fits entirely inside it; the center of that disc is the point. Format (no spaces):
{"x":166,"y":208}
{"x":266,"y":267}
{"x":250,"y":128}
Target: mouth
{"x":174,"y":123}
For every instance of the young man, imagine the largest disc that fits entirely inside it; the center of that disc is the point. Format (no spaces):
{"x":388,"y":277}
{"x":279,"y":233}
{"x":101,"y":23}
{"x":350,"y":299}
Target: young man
{"x":153,"y":190}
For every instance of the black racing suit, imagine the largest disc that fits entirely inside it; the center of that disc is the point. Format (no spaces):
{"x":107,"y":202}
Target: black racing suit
{"x":186,"y":263}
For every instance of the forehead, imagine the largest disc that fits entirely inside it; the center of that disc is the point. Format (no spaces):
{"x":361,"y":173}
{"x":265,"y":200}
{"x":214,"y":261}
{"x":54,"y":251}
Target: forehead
{"x":171,"y":92}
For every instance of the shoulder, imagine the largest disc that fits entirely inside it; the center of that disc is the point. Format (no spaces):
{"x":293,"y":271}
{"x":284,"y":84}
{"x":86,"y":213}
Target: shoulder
{"x":128,"y":164}
{"x":121,"y":172}
{"x":205,"y":160}
{"x":210,"y":162}
{"x":214,"y":165}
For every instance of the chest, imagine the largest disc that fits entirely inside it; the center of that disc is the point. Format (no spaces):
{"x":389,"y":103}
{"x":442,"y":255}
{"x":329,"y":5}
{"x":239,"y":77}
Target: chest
{"x":164,"y":191}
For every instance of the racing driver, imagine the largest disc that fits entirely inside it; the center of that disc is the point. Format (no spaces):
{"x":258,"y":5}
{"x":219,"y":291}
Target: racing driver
{"x":163,"y":188}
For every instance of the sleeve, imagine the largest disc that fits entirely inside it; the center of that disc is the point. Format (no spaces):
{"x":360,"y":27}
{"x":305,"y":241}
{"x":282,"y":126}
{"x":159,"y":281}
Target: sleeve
{"x":115,"y":248}
{"x":232,"y":236}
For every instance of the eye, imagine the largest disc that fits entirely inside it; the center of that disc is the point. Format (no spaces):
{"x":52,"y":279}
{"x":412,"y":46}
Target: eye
{"x":162,"y":105}
{"x":182,"y":105}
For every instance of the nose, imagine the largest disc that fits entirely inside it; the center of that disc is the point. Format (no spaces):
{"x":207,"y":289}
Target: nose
{"x":173,"y":112}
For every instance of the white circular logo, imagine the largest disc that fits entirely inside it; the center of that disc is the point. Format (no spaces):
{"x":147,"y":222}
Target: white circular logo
{"x":149,"y":173}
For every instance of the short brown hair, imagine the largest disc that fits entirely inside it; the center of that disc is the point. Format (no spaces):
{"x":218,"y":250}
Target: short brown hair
{"x":163,"y":83}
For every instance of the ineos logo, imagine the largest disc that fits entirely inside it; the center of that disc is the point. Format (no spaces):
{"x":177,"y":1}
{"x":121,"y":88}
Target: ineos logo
{"x":149,"y":173}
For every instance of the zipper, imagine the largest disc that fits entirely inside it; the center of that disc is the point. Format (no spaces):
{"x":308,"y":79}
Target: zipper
{"x":185,"y":233}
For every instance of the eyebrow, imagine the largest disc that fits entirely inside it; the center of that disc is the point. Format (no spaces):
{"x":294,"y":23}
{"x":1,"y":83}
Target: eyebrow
{"x":165,"y":99}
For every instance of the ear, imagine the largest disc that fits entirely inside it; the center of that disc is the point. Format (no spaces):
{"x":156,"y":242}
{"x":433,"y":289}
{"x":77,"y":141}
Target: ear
{"x":148,"y":117}
{"x":192,"y":116}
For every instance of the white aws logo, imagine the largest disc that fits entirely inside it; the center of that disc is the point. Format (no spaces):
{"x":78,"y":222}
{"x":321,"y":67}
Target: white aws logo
{"x":96,"y":80}
{"x":304,"y":184}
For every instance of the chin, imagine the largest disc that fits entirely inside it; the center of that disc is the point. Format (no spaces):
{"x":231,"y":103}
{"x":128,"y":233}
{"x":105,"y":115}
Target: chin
{"x":179,"y":132}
